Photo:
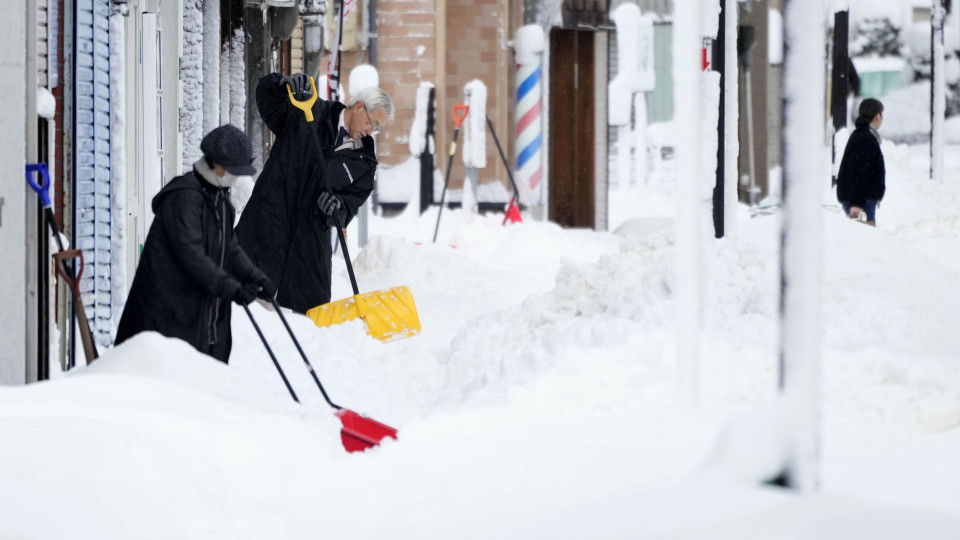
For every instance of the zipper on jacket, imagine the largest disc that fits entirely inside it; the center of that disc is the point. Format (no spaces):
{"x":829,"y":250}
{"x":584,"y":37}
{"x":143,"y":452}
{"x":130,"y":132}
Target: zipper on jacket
{"x":222,"y":233}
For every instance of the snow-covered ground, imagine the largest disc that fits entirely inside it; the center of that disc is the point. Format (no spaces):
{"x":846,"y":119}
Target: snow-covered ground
{"x":539,"y":400}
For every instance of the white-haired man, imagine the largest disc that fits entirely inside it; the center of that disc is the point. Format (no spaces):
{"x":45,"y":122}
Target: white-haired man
{"x":285,"y":227}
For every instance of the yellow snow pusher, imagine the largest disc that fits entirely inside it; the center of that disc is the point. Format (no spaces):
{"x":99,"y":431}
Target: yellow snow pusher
{"x":389,"y":313}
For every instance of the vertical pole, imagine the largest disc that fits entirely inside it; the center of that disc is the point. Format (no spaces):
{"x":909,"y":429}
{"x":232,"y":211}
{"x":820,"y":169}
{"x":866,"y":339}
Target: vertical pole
{"x":937,"y":90}
{"x":36,"y":365}
{"x":211,"y":65}
{"x":529,"y":45}
{"x":686,"y":76}
{"x":372,"y":16}
{"x":639,"y":138}
{"x":841,"y":61}
{"x":731,"y":115}
{"x":801,"y":257}
{"x":426,"y":157}
{"x":719,"y":64}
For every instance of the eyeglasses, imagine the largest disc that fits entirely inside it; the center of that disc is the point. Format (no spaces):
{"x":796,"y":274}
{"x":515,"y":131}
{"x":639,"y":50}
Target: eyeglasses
{"x":376,"y":127}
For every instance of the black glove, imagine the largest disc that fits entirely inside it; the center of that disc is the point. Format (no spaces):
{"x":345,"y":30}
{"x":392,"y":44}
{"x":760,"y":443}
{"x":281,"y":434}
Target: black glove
{"x":299,"y":84}
{"x":328,"y":204}
{"x":244,"y":296}
{"x":262,"y":287}
{"x":232,"y":291}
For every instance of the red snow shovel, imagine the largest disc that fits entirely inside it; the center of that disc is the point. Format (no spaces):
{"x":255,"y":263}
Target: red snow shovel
{"x":359,"y":432}
{"x":512,"y":212}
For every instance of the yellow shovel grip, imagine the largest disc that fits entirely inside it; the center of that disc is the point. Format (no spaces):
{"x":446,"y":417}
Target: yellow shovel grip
{"x":307,"y":105}
{"x":356,"y":302}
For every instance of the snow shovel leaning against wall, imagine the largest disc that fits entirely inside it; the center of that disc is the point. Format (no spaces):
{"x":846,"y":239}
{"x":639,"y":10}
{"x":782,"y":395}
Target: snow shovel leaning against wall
{"x":512,"y":212}
{"x":390,"y":313}
{"x":458,"y":121}
{"x":358,"y":432}
{"x":61,"y":258}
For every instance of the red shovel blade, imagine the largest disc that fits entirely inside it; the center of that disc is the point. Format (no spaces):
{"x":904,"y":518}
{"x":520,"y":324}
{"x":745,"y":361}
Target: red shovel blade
{"x":360,"y":432}
{"x":512,"y":214}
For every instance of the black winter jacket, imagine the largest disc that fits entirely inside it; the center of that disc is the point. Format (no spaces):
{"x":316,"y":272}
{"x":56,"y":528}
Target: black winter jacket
{"x":862,"y":173}
{"x":281,"y":228}
{"x":186,"y":267}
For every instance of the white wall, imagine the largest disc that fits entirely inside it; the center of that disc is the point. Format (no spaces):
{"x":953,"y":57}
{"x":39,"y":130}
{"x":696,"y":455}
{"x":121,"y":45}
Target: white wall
{"x":14,"y":192}
{"x":171,"y":25}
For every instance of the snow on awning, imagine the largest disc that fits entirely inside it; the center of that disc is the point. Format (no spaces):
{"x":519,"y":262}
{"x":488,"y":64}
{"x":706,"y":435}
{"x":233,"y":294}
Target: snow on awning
{"x":869,"y":64}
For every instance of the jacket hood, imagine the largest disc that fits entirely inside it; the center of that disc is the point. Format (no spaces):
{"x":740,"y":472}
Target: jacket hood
{"x":187,"y":181}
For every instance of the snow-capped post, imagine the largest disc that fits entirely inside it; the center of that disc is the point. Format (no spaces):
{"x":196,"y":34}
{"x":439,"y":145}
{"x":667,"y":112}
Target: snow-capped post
{"x":233,"y":90}
{"x":710,"y":95}
{"x":211,"y":65}
{"x":728,"y":153}
{"x":619,"y":92}
{"x":422,"y":131}
{"x":938,"y":90}
{"x":118,"y":167}
{"x":644,"y":81}
{"x":746,"y":39}
{"x":191,"y":75}
{"x":528,"y":45}
{"x":474,"y":138}
{"x":686,"y":92}
{"x":801,"y":240}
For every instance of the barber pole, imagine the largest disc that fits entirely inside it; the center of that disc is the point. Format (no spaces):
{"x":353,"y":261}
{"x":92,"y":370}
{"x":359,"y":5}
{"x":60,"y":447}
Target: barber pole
{"x":529,"y":48}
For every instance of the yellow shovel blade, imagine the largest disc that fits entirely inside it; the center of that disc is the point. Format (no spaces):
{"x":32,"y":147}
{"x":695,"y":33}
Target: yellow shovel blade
{"x":390,"y":314}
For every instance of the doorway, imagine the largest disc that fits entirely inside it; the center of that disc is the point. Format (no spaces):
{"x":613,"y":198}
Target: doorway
{"x":572,"y":141}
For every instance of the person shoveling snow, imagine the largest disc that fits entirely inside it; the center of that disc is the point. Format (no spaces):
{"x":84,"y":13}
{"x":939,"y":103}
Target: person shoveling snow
{"x":192,"y":267}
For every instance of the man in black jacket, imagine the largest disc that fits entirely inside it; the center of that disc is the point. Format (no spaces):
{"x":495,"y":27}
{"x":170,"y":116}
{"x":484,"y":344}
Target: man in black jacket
{"x":192,"y":267}
{"x":285,"y":227}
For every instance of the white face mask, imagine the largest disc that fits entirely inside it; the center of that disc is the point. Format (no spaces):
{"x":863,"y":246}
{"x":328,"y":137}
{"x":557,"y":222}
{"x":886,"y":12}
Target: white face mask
{"x":228,"y":180}
{"x":225,"y":181}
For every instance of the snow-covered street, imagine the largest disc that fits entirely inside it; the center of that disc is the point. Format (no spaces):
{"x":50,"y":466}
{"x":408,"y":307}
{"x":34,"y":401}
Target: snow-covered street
{"x":538,"y":402}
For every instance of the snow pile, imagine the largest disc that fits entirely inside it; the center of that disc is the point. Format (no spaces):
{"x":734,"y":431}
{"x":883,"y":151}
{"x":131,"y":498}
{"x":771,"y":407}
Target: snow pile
{"x":46,"y":103}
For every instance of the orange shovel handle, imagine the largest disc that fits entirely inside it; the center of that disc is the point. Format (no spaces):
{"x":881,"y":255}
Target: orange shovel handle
{"x":457,"y":117}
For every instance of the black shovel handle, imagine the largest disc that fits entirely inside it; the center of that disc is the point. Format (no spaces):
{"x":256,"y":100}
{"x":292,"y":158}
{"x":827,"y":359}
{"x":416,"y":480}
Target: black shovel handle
{"x":503,"y":157}
{"x":458,"y":121}
{"x":303,"y":355}
{"x":270,"y":352}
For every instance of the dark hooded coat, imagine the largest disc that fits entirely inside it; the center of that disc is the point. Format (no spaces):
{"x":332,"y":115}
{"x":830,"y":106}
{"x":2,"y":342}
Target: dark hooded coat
{"x":190,"y":261}
{"x":281,"y":228}
{"x":862,"y":174}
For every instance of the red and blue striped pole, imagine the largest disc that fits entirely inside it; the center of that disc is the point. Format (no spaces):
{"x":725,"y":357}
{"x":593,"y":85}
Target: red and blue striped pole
{"x":528,"y":45}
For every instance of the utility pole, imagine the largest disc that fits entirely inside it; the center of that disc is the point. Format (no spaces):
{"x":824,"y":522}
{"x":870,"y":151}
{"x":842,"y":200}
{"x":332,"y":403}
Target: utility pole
{"x":841,"y":76}
{"x":938,"y":89}
{"x":719,"y":65}
{"x":801,"y":242}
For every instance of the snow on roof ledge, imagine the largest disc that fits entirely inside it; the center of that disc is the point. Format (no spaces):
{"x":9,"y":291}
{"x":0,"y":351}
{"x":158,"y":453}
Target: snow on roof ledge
{"x":867,"y":64}
{"x":46,"y":104}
